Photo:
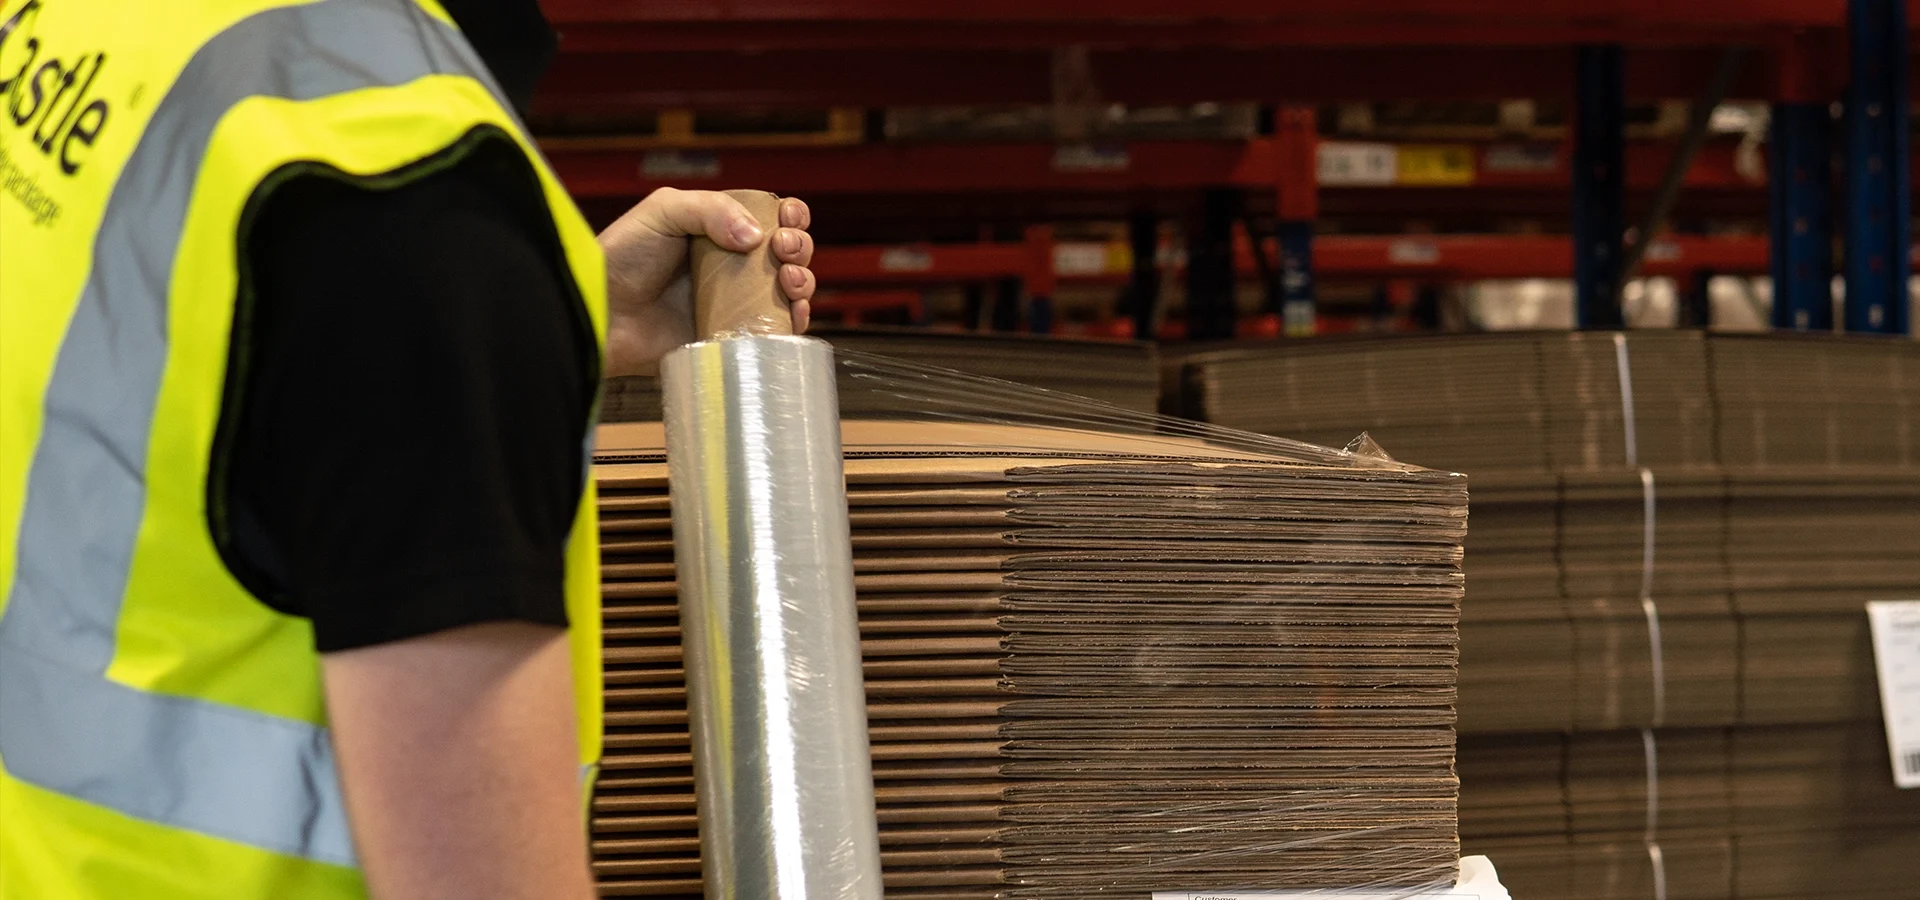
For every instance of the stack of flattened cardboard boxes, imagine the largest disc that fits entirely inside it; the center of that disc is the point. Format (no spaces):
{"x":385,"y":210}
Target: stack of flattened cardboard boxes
{"x":1665,"y":668}
{"x":1095,"y":665}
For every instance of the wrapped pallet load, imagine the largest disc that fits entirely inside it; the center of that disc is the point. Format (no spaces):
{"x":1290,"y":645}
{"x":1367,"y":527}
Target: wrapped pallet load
{"x":1104,"y":653}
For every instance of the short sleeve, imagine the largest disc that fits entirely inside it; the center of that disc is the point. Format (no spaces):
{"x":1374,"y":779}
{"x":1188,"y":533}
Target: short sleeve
{"x":402,"y":449}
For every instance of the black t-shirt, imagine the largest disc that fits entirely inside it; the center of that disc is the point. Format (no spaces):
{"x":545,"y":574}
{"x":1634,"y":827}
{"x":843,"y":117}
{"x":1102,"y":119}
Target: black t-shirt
{"x":404,"y":437}
{"x":409,"y":401}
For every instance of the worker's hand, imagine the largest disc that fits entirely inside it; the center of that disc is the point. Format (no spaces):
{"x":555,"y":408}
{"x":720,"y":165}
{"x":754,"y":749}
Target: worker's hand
{"x":649,"y":290}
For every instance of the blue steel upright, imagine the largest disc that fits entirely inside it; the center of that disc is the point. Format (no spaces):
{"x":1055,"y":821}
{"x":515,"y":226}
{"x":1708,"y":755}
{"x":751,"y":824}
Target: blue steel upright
{"x":1143,"y":291}
{"x":1878,"y":175}
{"x":1211,"y":313}
{"x":1296,"y":278}
{"x":1599,"y":163}
{"x":1800,"y":217}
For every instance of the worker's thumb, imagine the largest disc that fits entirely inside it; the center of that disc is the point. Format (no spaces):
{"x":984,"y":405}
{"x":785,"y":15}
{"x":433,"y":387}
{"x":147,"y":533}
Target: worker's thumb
{"x":717,"y":216}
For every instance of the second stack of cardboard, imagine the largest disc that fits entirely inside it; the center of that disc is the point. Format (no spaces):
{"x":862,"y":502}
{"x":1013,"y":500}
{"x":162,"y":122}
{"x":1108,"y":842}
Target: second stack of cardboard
{"x":1732,"y":501}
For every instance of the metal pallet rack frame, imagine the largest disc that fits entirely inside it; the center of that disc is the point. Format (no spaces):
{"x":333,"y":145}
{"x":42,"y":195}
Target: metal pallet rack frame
{"x":1807,"y":57}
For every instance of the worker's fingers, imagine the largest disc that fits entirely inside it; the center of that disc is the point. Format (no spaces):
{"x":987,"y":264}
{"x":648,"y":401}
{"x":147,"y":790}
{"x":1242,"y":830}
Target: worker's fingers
{"x":796,"y":282}
{"x":795,"y":214}
{"x":720,"y":217}
{"x":792,"y":245}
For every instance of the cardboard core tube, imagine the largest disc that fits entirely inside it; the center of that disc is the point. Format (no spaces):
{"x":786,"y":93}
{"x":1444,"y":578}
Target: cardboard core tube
{"x":739,"y":293}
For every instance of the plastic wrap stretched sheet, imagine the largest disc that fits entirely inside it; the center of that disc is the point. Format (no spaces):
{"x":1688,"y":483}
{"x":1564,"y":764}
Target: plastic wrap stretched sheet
{"x":1103,"y":653}
{"x":1116,"y":373}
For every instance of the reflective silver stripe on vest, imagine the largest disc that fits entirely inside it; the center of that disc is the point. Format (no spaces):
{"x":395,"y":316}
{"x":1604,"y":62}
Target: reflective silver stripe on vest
{"x":205,"y":767}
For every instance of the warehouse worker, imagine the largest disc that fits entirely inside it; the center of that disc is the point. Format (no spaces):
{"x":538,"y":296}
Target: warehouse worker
{"x":299,"y":345}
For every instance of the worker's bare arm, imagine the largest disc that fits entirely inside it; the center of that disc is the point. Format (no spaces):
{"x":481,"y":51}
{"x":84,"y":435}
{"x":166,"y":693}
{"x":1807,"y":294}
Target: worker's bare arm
{"x":458,"y":757}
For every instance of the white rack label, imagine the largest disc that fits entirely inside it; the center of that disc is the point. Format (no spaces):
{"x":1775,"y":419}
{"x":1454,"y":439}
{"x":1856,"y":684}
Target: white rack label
{"x":1896,"y":653}
{"x":1351,"y":163}
{"x":1091,"y":158}
{"x":668,"y":164}
{"x":1413,"y":253}
{"x":906,"y":259}
{"x":1083,"y":258}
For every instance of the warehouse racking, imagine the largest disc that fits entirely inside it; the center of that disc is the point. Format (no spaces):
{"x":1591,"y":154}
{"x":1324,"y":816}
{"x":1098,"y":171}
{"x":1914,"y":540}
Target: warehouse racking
{"x":615,"y":108}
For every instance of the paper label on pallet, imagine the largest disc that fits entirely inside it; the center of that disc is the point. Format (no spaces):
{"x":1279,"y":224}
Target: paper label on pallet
{"x":1452,"y":894}
{"x":1896,"y":654}
{"x":1351,"y":163}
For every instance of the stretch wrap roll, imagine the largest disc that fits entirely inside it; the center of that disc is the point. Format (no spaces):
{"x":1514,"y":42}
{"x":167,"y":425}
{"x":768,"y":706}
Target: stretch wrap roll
{"x":772,"y":643}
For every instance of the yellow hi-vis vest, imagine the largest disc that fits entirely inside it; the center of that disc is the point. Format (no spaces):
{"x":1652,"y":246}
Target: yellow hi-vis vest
{"x":163,"y":733}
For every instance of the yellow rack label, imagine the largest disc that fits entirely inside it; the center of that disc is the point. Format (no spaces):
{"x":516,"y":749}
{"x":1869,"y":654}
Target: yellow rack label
{"x":1434,"y":165}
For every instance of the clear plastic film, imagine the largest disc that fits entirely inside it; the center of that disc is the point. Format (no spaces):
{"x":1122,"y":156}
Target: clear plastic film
{"x":772,"y":646}
{"x":1103,"y":652}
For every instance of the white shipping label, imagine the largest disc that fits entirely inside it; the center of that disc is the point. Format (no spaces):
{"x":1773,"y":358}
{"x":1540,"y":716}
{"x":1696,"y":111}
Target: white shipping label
{"x":1896,"y":653}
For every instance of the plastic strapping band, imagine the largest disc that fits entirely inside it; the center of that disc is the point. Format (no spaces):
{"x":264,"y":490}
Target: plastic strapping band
{"x":1656,"y":649}
{"x":1649,"y":504}
{"x":1655,"y":857}
{"x":1656,"y":653}
{"x":1626,"y":397}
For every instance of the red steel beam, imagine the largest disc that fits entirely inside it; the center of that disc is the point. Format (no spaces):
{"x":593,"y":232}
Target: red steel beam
{"x":1297,"y":187}
{"x":915,"y":168}
{"x":587,"y":84}
{"x":1640,"y":13}
{"x":760,"y":37}
{"x":907,"y":168}
{"x":921,"y":263}
{"x":1436,"y":257}
{"x":1473,"y":257}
